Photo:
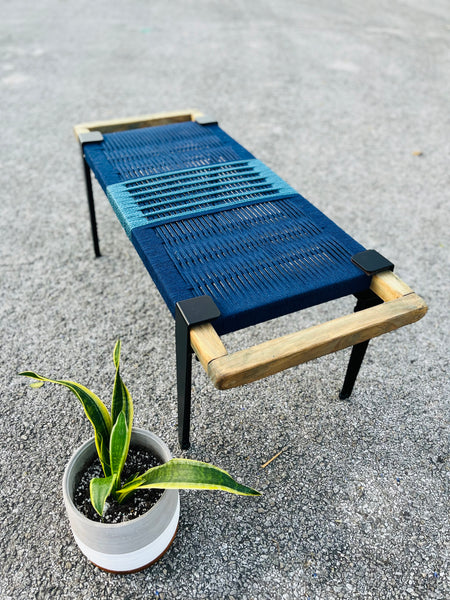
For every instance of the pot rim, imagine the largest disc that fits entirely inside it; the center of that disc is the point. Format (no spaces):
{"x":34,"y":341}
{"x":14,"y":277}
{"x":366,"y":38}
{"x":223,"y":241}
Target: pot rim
{"x":68,"y":496}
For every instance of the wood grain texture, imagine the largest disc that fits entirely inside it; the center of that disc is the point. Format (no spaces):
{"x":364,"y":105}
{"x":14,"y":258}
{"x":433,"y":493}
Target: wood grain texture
{"x":206,"y":344}
{"x":388,"y":286}
{"x":279,"y":354}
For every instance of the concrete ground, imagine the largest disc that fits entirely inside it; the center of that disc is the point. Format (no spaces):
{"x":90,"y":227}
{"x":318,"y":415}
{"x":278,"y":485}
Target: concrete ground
{"x":348,"y":101}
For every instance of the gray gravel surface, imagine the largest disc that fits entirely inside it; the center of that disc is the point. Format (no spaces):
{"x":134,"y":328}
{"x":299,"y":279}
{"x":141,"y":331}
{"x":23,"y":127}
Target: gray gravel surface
{"x":348,"y":101}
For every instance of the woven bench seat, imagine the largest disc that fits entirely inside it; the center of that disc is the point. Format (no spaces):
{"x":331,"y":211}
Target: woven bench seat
{"x":222,"y":224}
{"x":209,"y":220}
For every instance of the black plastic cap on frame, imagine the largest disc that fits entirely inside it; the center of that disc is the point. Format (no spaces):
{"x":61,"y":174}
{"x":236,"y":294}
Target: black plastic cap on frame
{"x":89,"y":137}
{"x":198,"y":310}
{"x":372,"y":262}
{"x":206,"y":120}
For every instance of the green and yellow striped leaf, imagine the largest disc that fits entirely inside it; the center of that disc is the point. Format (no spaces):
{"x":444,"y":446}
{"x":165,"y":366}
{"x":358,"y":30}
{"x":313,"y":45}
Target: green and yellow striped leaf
{"x":182,"y":473}
{"x":95,"y":410}
{"x":118,"y":446}
{"x":99,"y":489}
{"x":121,"y":398}
{"x":130,"y":487}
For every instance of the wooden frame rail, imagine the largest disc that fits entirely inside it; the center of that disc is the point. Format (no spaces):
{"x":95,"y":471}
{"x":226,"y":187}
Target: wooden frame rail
{"x":400,"y":307}
{"x":113,"y":125}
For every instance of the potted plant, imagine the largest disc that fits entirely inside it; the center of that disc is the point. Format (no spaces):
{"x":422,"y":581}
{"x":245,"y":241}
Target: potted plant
{"x":137,"y":542}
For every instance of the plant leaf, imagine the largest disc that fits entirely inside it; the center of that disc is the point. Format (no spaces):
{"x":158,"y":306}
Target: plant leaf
{"x":116,"y":353}
{"x":129,"y":487}
{"x":118,"y":446}
{"x":103,"y":452}
{"x":99,"y":489}
{"x":121,"y":411}
{"x":95,"y":410}
{"x":121,"y":398}
{"x":182,"y":473}
{"x":131,"y":479}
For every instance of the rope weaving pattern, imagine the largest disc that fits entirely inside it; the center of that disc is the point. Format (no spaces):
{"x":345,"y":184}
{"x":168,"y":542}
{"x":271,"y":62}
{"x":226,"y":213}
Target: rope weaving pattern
{"x":272,"y":219}
{"x":182,"y":194}
{"x":207,"y":218}
{"x":257,"y":261}
{"x":126,"y":155}
{"x":253,"y":260}
{"x":270,"y":255}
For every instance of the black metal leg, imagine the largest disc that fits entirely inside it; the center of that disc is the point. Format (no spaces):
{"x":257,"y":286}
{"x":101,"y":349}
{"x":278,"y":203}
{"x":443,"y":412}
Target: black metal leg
{"x":356,"y":358}
{"x":365,"y":300}
{"x":192,"y":311}
{"x":90,"y":197}
{"x":184,"y":379}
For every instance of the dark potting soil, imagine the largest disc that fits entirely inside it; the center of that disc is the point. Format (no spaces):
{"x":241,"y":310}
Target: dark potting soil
{"x":138,"y":460}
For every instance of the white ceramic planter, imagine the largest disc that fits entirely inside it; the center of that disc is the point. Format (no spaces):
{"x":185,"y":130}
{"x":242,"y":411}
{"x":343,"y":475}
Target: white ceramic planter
{"x":131,"y":545}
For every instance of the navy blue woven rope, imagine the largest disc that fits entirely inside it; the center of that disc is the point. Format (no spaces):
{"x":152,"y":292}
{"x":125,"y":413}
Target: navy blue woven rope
{"x":208,"y":218}
{"x":257,"y":262}
{"x":136,"y":153}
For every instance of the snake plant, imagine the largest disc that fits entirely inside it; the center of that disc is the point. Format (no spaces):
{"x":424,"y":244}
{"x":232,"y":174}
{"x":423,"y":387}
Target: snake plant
{"x":112,"y":439}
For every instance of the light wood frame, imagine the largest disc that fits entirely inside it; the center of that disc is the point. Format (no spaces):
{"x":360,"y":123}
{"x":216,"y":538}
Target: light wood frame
{"x":400,"y":307}
{"x":113,"y":125}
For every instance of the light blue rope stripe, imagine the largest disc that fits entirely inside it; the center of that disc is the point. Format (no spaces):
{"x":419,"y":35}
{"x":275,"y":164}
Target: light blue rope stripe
{"x":201,"y":198}
{"x":125,"y":209}
{"x":231,"y":165}
{"x":161,"y":202}
{"x":191,"y":185}
{"x":208,"y":171}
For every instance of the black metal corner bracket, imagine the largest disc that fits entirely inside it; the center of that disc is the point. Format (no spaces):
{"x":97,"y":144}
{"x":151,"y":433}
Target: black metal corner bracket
{"x":372,"y":262}
{"x":89,"y":137}
{"x":192,"y":311}
{"x":205,"y":120}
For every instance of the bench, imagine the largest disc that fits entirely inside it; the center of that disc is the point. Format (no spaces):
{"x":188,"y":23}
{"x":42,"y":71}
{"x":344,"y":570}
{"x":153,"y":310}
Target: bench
{"x":229,"y":244}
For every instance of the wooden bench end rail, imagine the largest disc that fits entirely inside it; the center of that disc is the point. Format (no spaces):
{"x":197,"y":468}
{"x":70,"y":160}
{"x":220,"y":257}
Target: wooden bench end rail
{"x":401,"y":306}
{"x":113,"y":125}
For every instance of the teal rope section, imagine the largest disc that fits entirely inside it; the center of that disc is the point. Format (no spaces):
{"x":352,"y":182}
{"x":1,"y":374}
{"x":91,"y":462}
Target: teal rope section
{"x":167,"y":197}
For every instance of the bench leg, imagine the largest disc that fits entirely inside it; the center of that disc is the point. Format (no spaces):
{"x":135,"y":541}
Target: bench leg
{"x":365,"y":300}
{"x":192,"y":311}
{"x":355,"y":362}
{"x":184,"y":379}
{"x":90,"y":198}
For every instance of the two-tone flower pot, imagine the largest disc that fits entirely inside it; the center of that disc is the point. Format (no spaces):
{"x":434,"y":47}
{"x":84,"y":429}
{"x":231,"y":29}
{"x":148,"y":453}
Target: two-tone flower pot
{"x":131,"y":545}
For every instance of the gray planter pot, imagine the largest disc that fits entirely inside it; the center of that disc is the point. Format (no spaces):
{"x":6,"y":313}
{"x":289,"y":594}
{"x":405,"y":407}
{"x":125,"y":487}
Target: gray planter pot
{"x":131,"y":545}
